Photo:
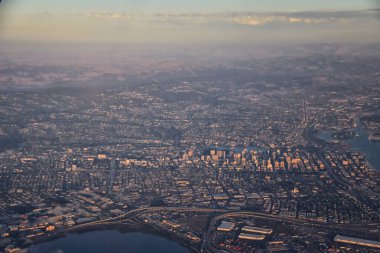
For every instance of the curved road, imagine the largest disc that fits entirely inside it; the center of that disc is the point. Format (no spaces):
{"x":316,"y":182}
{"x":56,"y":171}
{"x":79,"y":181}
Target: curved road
{"x":207,"y":245}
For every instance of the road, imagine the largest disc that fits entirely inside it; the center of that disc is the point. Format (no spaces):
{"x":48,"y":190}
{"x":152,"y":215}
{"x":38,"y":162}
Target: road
{"x":207,"y":245}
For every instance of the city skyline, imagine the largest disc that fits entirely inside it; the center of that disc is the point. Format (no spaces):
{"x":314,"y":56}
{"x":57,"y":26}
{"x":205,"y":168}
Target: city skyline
{"x":203,"y":126}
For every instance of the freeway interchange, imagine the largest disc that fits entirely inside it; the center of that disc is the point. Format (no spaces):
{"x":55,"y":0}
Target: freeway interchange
{"x":206,"y":244}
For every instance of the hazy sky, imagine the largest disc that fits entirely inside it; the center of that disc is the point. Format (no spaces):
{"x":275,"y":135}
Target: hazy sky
{"x":195,"y":21}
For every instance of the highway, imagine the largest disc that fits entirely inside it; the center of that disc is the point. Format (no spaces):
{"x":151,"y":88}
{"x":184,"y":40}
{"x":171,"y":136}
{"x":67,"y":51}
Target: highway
{"x":207,"y":245}
{"x":134,"y":213}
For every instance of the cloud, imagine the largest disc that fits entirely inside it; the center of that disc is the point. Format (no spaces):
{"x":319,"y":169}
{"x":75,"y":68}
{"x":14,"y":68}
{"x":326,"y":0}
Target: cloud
{"x":260,"y":20}
{"x":189,"y":27}
{"x":105,"y":15}
{"x":245,"y":18}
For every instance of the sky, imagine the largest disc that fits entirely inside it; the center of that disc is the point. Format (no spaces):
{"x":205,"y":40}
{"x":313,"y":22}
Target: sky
{"x":189,"y":22}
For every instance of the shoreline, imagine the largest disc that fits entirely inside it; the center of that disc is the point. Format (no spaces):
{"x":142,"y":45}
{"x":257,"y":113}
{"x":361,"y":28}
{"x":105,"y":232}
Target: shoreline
{"x":352,"y":146}
{"x":123,"y":228}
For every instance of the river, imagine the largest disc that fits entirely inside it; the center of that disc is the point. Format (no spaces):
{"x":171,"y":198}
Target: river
{"x":360,"y":143}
